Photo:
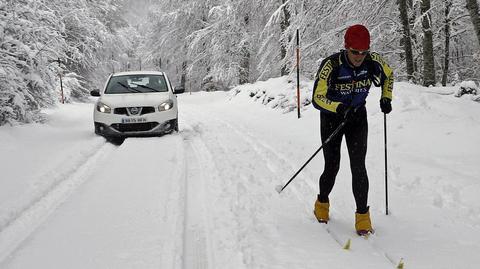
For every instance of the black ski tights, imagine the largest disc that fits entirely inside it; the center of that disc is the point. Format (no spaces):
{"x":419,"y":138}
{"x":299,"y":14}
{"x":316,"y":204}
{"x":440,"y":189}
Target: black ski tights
{"x":356,"y":133}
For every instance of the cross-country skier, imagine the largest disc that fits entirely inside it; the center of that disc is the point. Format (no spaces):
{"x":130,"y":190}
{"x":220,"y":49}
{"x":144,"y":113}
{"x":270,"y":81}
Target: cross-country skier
{"x":340,"y":91}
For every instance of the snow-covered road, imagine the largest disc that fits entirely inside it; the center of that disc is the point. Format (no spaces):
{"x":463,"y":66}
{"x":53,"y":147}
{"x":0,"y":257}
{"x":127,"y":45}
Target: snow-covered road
{"x":205,"y":197}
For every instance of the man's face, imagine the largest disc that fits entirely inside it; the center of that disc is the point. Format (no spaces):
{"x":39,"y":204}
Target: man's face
{"x":356,"y":57}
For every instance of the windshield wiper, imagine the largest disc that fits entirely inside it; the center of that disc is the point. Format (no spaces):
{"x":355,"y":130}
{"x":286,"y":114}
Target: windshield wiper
{"x":129,"y":88}
{"x":146,"y":87}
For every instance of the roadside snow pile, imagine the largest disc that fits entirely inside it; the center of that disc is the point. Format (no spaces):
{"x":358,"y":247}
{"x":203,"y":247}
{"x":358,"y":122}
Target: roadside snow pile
{"x":278,"y":93}
{"x":468,"y":87}
{"x":281,"y":92}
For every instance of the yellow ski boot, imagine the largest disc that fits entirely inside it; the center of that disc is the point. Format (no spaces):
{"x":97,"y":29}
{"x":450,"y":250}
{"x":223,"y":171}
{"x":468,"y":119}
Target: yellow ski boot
{"x":321,"y":211}
{"x":363,"y":224}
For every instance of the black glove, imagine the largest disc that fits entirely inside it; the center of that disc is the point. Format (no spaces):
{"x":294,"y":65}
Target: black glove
{"x":344,"y":111}
{"x":386,"y":105}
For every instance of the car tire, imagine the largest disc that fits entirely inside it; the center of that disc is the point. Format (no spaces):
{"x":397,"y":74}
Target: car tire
{"x":95,"y":128}
{"x":115,"y":140}
{"x":175,"y":125}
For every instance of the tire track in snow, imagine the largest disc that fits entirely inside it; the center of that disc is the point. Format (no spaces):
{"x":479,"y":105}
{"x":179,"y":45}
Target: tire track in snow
{"x":29,"y":219}
{"x":45,"y":183}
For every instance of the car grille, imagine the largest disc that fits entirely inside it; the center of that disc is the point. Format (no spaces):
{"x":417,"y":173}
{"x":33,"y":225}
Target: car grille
{"x":134,"y":127}
{"x":144,"y":110}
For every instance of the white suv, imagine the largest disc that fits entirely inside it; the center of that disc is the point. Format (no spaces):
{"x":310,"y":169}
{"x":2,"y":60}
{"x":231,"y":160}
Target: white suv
{"x":136,"y":103}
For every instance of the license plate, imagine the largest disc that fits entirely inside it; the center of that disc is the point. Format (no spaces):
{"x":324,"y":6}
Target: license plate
{"x":134,"y":120}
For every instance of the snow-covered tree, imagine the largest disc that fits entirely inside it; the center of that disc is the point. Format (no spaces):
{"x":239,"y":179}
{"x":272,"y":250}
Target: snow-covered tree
{"x":216,"y":44}
{"x":34,"y":36}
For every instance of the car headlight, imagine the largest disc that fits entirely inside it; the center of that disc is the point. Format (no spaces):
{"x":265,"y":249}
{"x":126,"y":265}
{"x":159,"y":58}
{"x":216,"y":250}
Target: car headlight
{"x":167,"y":105}
{"x":101,"y":107}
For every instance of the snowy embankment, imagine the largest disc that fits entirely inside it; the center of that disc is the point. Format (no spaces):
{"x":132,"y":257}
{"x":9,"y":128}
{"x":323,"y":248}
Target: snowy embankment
{"x":205,"y":197}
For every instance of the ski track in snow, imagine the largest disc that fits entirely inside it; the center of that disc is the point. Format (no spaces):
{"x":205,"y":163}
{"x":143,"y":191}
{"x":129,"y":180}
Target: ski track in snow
{"x":197,"y":248}
{"x":278,"y":166}
{"x":211,"y":203}
{"x":238,"y":184}
{"x":233,"y":244}
{"x":18,"y":229}
{"x":173,"y":217}
{"x":337,"y":234}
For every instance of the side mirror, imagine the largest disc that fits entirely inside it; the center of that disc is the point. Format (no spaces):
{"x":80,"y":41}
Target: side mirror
{"x":178,"y":89}
{"x":95,"y":93}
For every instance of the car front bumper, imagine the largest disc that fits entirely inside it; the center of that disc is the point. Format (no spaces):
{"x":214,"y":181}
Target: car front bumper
{"x":152,"y":124}
{"x":133,"y":129}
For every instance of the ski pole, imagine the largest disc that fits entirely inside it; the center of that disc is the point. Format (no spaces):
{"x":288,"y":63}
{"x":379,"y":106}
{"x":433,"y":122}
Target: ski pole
{"x":298,"y":74}
{"x":386,"y":167}
{"x":279,"y":188}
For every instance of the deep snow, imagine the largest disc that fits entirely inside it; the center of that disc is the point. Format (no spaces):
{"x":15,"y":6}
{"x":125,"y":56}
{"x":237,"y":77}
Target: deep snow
{"x":205,"y":197}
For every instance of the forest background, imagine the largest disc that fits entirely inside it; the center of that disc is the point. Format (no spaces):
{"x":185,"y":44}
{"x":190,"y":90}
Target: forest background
{"x":213,"y":45}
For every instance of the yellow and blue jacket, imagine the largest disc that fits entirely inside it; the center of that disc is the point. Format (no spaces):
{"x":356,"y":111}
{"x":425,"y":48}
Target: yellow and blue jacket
{"x":337,"y":81}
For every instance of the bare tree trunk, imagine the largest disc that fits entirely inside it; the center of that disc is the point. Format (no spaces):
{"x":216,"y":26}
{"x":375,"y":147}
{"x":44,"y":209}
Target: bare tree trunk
{"x":284,"y":43}
{"x":411,"y":21}
{"x":428,"y":59}
{"x":245,"y":57}
{"x":448,"y":5}
{"x":183,"y":77}
{"x":406,"y":39}
{"x":472,"y":7}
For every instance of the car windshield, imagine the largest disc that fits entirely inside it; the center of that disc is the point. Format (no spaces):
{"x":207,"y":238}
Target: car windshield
{"x":136,"y":84}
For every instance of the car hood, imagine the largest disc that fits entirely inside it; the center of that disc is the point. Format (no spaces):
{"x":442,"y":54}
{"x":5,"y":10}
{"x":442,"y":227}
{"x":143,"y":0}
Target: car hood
{"x":135,"y":99}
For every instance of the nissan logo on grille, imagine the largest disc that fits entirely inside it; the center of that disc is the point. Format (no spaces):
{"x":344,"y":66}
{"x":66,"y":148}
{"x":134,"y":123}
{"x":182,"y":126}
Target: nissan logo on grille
{"x":134,"y":110}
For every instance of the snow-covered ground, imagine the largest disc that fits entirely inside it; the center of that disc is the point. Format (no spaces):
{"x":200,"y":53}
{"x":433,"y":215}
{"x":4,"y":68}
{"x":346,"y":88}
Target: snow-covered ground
{"x":205,"y":197}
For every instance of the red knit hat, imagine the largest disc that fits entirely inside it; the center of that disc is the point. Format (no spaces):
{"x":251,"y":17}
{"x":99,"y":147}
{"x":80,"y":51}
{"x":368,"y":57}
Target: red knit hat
{"x":357,"y":37}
